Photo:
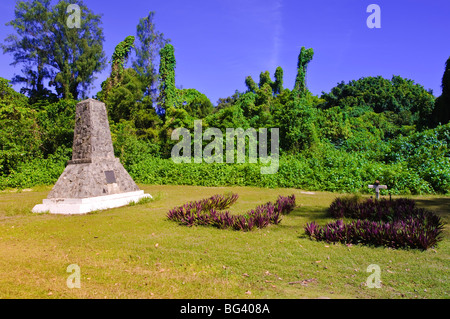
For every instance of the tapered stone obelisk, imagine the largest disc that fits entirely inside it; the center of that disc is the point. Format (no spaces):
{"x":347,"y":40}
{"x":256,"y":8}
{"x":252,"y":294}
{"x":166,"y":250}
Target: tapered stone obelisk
{"x":94,"y":179}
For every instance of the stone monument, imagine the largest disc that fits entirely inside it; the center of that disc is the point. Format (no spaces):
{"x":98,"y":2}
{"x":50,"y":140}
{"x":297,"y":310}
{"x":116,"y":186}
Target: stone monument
{"x":94,"y":179}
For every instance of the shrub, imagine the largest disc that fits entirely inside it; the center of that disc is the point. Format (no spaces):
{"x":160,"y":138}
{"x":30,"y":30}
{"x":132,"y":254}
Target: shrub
{"x":420,"y":232}
{"x":397,"y":223}
{"x":206,"y":212}
{"x":38,"y":171}
{"x":285,"y":205}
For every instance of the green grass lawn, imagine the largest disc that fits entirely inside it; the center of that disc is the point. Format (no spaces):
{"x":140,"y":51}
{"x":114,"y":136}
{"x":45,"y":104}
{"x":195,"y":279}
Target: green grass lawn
{"x":136,"y":252}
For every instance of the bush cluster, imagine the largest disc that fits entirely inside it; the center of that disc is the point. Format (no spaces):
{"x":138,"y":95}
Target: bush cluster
{"x":334,"y":171}
{"x":395,"y":223}
{"x":207,"y":212}
{"x":329,"y":170}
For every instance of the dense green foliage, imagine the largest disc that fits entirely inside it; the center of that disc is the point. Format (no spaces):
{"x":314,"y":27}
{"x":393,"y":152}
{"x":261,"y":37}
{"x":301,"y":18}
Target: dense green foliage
{"x":403,"y":101}
{"x":326,"y":168}
{"x":366,"y":130}
{"x":34,"y":143}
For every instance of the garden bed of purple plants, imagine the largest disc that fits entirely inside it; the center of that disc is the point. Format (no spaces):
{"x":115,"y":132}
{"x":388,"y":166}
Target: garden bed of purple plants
{"x":207,"y":212}
{"x":397,"y":223}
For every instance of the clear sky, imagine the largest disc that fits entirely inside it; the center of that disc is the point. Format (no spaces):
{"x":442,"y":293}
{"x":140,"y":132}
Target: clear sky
{"x":220,"y":42}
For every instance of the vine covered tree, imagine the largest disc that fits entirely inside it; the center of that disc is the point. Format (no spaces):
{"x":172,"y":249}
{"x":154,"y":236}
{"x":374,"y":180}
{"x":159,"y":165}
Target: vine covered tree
{"x":297,"y":117}
{"x":278,"y":84}
{"x":123,"y":93}
{"x":250,"y":83}
{"x":264,"y":77}
{"x":167,"y":89}
{"x":305,"y":56}
{"x":49,"y":48}
{"x":118,"y":62}
{"x":120,"y":56}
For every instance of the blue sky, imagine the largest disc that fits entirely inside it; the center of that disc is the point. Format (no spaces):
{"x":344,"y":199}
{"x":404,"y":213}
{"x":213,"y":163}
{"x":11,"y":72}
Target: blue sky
{"x":220,"y":42}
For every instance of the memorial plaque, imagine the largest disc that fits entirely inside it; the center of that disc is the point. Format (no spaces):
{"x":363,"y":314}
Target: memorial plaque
{"x":110,"y":177}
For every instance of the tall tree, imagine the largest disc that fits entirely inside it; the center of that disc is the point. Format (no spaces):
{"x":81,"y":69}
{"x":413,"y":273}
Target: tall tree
{"x":297,"y":118}
{"x":67,"y":55}
{"x":149,"y":43}
{"x":264,"y":77}
{"x":305,"y":56}
{"x":30,"y":46}
{"x":278,"y":84}
{"x":250,"y":83}
{"x":167,"y":89}
{"x":441,"y":112}
{"x":77,"y":53}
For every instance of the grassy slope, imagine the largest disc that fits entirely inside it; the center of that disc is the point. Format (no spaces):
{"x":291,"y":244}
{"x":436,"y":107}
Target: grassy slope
{"x":135,"y":252}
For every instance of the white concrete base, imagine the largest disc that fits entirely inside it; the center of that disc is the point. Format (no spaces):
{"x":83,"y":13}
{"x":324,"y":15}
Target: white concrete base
{"x":70,"y":206}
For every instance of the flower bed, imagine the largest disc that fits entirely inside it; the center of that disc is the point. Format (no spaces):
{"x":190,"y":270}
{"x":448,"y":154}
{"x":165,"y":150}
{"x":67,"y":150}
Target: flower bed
{"x":207,"y":212}
{"x":397,"y":223}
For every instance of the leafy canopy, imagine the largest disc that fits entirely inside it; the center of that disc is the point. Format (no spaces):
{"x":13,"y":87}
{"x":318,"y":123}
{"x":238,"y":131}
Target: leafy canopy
{"x":48,"y":49}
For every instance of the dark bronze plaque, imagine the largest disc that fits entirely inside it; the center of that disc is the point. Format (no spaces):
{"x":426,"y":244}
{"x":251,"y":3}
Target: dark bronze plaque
{"x":110,"y":177}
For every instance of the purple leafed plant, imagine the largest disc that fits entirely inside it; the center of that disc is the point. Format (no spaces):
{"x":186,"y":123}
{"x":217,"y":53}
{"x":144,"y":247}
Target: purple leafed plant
{"x":207,"y":212}
{"x":285,"y":205}
{"x":372,"y":209}
{"x":397,"y":223}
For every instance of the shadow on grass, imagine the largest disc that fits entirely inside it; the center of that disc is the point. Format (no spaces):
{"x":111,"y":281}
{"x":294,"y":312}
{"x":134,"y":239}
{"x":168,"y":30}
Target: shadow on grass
{"x":311,"y":213}
{"x":440,"y":206}
{"x":11,"y":211}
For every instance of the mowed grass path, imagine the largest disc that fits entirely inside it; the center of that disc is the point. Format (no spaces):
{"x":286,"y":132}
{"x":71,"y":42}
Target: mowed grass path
{"x":136,"y":252}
